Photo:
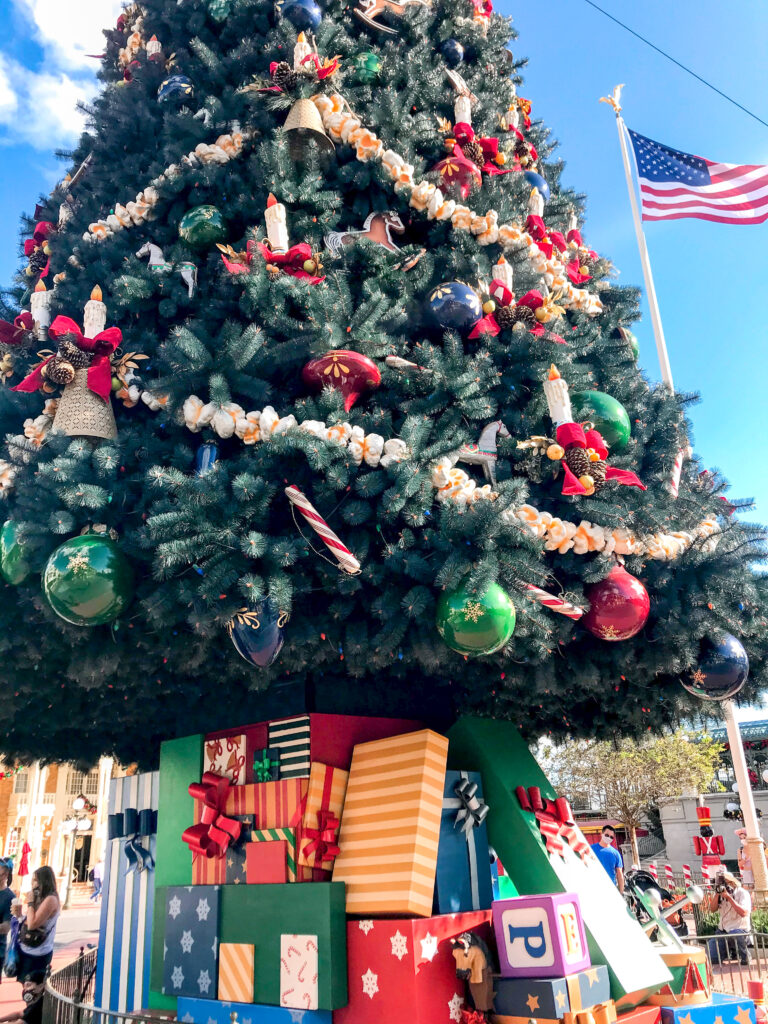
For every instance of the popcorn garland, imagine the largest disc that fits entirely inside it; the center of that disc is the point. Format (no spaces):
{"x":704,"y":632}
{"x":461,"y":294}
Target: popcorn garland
{"x":140,"y":210}
{"x":343,"y":126}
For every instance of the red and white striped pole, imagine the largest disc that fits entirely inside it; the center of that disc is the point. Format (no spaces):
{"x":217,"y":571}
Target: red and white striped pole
{"x":670,"y":876}
{"x":653,"y":870}
{"x":687,"y":875}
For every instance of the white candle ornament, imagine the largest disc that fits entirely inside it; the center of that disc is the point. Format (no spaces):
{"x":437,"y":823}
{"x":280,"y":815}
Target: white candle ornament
{"x":535,"y":203}
{"x":94,"y":315}
{"x":277,"y":228}
{"x":555,"y":604}
{"x":502,"y":271}
{"x":558,"y":399}
{"x":40,"y":307}
{"x":340,"y":552}
{"x":462,"y":110}
{"x":301,"y":50}
{"x":510,"y":119}
{"x":154,"y":49}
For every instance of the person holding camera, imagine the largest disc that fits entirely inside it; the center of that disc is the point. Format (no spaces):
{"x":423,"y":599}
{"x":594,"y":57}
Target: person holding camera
{"x":734,"y":906}
{"x":38,"y":928}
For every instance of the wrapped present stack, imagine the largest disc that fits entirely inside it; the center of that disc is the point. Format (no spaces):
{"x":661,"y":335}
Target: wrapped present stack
{"x":326,"y":868}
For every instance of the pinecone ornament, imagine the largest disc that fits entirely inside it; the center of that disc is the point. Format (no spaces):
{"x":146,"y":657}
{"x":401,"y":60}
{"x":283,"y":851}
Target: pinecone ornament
{"x":285,"y":76}
{"x":59,"y":371}
{"x":474,"y":151}
{"x":578,"y":462}
{"x":597,"y":472}
{"x":37,"y":261}
{"x":510,"y":316}
{"x":74,"y":355}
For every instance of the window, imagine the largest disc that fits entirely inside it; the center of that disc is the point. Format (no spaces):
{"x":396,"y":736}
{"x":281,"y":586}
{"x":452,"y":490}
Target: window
{"x":21,"y":782}
{"x":13,"y":840}
{"x":78,"y":783}
{"x":92,"y":784}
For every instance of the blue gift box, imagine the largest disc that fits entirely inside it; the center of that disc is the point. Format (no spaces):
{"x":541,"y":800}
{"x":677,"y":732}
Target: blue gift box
{"x":463,"y":879}
{"x":190,"y":962}
{"x":550,"y":998}
{"x":211,"y":1011}
{"x":729,"y":1009}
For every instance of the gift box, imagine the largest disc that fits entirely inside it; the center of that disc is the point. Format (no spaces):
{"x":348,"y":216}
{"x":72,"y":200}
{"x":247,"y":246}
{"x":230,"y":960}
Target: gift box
{"x":191,"y":934}
{"x":541,"y":936}
{"x":641,"y":1015}
{"x":463,"y":880}
{"x":266,"y":765}
{"x":263,"y":914}
{"x":404,"y":970}
{"x":298,"y":971}
{"x":236,"y":972}
{"x":322,"y":815}
{"x":128,"y":894}
{"x":266,"y":862}
{"x":226,"y":756}
{"x":391,"y":825}
{"x":331,"y":737}
{"x":559,"y":862}
{"x":288,"y":837}
{"x":551,"y":998}
{"x":272,"y":804}
{"x":290,"y":737}
{"x":181,"y":762}
{"x":602,"y":1013}
{"x":727,"y":1009}
{"x":207,"y":1011}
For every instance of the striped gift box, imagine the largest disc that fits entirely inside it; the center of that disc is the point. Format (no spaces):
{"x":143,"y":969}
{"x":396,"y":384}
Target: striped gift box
{"x":391,"y":825}
{"x":127,"y":903}
{"x":327,"y":788}
{"x":271,"y":835}
{"x":218,"y":870}
{"x":272,"y":804}
{"x":236,"y":972}
{"x":291,"y":737}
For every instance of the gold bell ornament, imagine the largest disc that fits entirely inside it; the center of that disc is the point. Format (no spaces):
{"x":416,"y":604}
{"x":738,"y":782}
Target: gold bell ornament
{"x":303,"y":124}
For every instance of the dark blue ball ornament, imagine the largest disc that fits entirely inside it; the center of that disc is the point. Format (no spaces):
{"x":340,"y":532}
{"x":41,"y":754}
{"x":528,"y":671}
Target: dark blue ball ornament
{"x":177,"y":87}
{"x":455,"y":306}
{"x":258,"y":633}
{"x":721,"y":671}
{"x":536,"y":181}
{"x":453,"y":52}
{"x":302,"y":14}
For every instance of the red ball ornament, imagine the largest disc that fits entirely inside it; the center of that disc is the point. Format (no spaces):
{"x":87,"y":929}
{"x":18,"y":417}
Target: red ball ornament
{"x":349,"y":372}
{"x":619,"y":606}
{"x":458,"y":175}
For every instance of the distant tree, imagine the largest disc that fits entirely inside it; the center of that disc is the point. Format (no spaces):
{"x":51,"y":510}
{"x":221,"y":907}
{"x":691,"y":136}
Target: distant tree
{"x":630,"y":778}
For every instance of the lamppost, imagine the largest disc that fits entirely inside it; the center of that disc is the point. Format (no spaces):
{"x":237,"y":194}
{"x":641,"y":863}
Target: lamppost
{"x":74,"y":824}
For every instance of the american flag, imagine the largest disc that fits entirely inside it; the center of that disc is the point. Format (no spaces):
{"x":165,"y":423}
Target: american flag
{"x":675,"y":184}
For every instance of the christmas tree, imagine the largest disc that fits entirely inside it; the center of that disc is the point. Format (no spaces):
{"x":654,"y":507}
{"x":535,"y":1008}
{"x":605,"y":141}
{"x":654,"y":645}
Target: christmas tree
{"x":345,"y":389}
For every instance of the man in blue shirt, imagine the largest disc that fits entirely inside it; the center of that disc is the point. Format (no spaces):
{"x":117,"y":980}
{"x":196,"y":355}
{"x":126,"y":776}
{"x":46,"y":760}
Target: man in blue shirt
{"x":610,"y":857}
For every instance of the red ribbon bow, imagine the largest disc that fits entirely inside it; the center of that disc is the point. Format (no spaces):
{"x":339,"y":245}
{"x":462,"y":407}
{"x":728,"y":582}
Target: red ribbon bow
{"x":572,"y":435}
{"x":555,"y":820}
{"x":465,"y":133}
{"x":43,"y":230}
{"x":214,"y":833}
{"x":323,"y":838}
{"x":483,"y":7}
{"x":13,"y":334}
{"x":235,"y":267}
{"x":102,"y":347}
{"x":292,"y":262}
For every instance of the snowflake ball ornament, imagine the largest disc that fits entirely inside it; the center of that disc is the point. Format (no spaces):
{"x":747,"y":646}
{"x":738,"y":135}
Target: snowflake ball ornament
{"x":88,"y":580}
{"x":619,"y":606}
{"x":473,"y":623}
{"x":721,"y":671}
{"x":455,"y":306}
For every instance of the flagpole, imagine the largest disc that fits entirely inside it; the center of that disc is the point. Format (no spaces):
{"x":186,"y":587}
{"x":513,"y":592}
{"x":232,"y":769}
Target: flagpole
{"x":658,"y":330}
{"x":755,"y":843}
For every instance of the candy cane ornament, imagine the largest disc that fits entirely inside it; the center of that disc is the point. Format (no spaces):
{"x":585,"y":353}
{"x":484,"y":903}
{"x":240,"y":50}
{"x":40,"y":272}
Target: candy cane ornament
{"x":340,"y":552}
{"x":555,"y":604}
{"x":673,"y":484}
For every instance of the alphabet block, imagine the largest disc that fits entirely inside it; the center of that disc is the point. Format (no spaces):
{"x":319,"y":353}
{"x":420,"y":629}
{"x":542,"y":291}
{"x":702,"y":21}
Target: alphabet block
{"x":540,"y":936}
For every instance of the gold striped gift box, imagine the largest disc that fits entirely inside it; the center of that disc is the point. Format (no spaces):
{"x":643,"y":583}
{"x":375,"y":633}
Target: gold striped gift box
{"x":235,"y":972}
{"x":391,"y":825}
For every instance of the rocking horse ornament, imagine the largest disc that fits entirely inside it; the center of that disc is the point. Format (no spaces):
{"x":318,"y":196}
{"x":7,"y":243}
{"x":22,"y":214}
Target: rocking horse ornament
{"x":369,"y":10}
{"x":159,"y":265}
{"x":378,"y":228}
{"x":484,"y":452}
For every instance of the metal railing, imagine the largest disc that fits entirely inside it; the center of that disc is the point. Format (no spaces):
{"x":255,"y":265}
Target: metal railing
{"x":729,"y":974}
{"x":69,"y":993}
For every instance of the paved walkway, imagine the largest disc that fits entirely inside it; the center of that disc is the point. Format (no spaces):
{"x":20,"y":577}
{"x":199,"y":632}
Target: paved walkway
{"x":77,"y":927}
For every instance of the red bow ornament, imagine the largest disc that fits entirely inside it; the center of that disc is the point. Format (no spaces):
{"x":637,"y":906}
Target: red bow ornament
{"x":502,"y":296}
{"x":101,"y":347}
{"x":237,"y":262}
{"x":621,"y":476}
{"x":464,"y":134}
{"x":37,"y":244}
{"x":14,"y":334}
{"x":322,"y":840}
{"x":555,"y":821}
{"x":482,"y":8}
{"x":215,"y":831}
{"x":292,"y":261}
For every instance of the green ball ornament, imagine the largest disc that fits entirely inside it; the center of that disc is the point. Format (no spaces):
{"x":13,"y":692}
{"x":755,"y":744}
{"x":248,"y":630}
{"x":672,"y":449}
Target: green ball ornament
{"x":88,"y":580}
{"x":13,"y":564}
{"x":366,"y":67}
{"x":202,"y":226}
{"x":473,"y":623}
{"x":609,"y":416}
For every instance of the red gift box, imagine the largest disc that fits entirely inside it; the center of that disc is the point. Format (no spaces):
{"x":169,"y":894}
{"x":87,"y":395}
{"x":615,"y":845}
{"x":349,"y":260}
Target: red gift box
{"x":404,"y":970}
{"x":266,"y":862}
{"x":332,"y":737}
{"x":641,"y":1015}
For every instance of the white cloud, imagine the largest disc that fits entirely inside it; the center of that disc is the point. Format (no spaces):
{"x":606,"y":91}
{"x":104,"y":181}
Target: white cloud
{"x":40,"y":107}
{"x":69,"y":29}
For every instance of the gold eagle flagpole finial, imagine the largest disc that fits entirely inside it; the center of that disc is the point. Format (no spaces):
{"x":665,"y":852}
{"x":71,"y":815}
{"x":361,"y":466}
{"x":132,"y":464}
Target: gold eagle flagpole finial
{"x":614,"y":100}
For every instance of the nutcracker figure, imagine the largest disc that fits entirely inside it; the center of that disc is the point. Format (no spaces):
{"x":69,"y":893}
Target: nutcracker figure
{"x":706,"y":845}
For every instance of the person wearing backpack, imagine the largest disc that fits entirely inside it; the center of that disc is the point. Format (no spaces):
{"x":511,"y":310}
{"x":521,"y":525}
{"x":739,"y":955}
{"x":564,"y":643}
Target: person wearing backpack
{"x":7,"y":896}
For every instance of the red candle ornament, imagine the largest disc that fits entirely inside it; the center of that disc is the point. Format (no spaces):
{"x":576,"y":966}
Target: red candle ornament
{"x":348,"y":372}
{"x":619,"y":606}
